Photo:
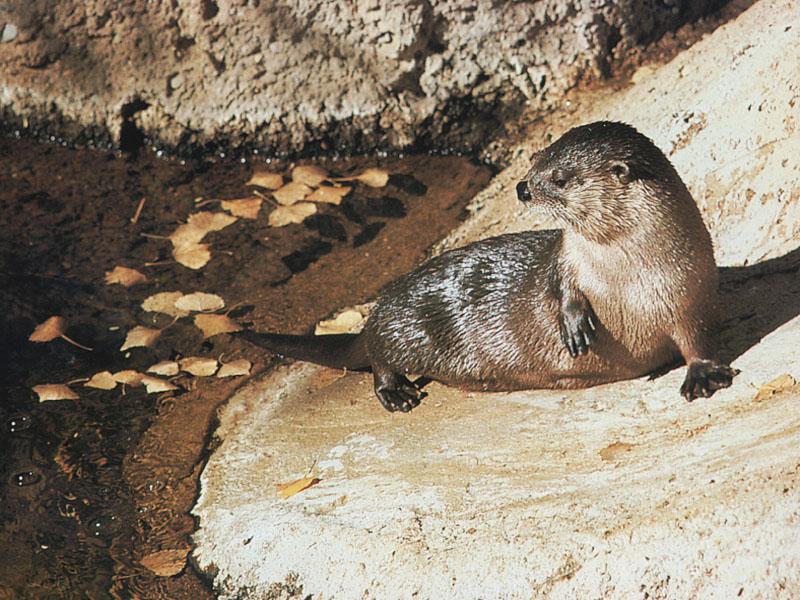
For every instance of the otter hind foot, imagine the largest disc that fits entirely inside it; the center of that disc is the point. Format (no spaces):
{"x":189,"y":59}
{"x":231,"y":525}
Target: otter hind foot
{"x":396,"y":392}
{"x":578,"y":328}
{"x":705,"y":377}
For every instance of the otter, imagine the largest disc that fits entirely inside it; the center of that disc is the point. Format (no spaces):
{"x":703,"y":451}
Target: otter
{"x":627,"y":287}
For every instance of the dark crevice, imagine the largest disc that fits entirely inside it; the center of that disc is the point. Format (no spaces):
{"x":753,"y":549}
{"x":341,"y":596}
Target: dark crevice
{"x":131,"y":138}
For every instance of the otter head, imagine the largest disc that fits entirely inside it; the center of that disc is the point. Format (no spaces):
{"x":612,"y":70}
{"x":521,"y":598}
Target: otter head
{"x":590,"y":179}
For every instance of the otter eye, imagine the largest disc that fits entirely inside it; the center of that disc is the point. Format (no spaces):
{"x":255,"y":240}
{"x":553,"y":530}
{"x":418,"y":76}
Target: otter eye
{"x":559,"y":178}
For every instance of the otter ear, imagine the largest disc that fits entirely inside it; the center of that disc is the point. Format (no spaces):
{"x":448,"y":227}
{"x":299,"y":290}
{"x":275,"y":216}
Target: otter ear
{"x":621,"y":170}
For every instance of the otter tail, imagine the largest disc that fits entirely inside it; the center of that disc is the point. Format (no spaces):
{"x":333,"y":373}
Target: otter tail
{"x":341,"y":351}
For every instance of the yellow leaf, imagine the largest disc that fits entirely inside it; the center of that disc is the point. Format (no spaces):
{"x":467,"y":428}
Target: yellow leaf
{"x":54,"y":391}
{"x":374,"y":177}
{"x":309,"y":174}
{"x":780,"y":384}
{"x":103,"y":380}
{"x":247,"y":208}
{"x":49,"y":330}
{"x":292,"y":192}
{"x":194,"y":256}
{"x":212,"y":325}
{"x":264,"y":179}
{"x":140,"y":336}
{"x":165,"y":563}
{"x":283,"y":215}
{"x":197,"y":226}
{"x":164,"y":302}
{"x":200,"y":301}
{"x":199,"y":366}
{"x":153,"y":385}
{"x":124,"y":276}
{"x":345,"y":322}
{"x":287,"y":490}
{"x":168,"y":368}
{"x":328,"y":194}
{"x":128,"y":377}
{"x":240,"y":366}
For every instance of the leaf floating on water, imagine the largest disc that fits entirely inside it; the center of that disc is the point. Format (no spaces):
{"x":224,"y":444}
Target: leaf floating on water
{"x":197,"y":226}
{"x":199,"y":301}
{"x":373,"y":177}
{"x":345,"y":322}
{"x":287,"y":490}
{"x":153,"y":385}
{"x":139,"y":337}
{"x":124,"y":276}
{"x":128,"y":377}
{"x":240,"y":366}
{"x":164,"y":302}
{"x":780,"y":384}
{"x":103,"y":380}
{"x":309,"y":174}
{"x":291,"y":193}
{"x":54,"y":391}
{"x":194,"y":256}
{"x":284,"y":215}
{"x":247,"y":208}
{"x":212,"y":325}
{"x":167,"y":368}
{"x":165,"y":563}
{"x":199,"y":366}
{"x":264,"y":179}
{"x":329,"y":194}
{"x":51,"y":329}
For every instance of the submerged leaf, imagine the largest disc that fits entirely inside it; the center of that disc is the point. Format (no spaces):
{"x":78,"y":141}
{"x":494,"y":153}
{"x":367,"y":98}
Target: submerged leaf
{"x":168,"y":368}
{"x":164,"y":302}
{"x":103,"y":380}
{"x":284,"y":215}
{"x":140,"y":336}
{"x":309,"y":174}
{"x":54,"y":391}
{"x":374,"y":177}
{"x":247,"y":208}
{"x":128,"y":377}
{"x":292,"y":192}
{"x":124,"y":276}
{"x":195,"y":256}
{"x":48,"y":330}
{"x":199,"y":366}
{"x":212,"y":325}
{"x":329,"y":194}
{"x":153,"y":385}
{"x":200,"y":301}
{"x":240,"y":366}
{"x":264,"y":179}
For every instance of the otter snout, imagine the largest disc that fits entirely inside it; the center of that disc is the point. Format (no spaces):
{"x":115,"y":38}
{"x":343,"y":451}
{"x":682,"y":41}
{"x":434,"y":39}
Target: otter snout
{"x":524,"y":192}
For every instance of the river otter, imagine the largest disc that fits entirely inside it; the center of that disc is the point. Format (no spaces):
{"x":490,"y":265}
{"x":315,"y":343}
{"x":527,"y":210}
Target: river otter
{"x":627,"y":287}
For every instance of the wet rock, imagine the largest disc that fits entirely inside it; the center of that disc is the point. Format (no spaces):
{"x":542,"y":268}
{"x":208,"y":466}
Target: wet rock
{"x":623,"y":490}
{"x":357,"y":75}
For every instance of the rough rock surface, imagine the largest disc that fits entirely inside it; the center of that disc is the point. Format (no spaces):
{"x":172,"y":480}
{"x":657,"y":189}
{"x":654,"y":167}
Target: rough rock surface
{"x":281,"y":76}
{"x":620,"y":491}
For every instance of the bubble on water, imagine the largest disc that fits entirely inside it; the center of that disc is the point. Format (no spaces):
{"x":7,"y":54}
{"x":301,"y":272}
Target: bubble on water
{"x":19,"y":422}
{"x":27,"y":477}
{"x":104,"y":525}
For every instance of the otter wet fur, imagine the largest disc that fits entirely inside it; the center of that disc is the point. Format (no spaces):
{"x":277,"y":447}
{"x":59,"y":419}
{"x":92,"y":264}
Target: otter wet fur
{"x":627,"y":287}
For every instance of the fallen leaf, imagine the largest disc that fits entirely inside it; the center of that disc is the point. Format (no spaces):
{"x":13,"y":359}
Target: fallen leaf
{"x":200,"y":301}
{"x":168,"y":368}
{"x":186,"y":235}
{"x":287,"y":490}
{"x":54,"y":391}
{"x":165,"y":563}
{"x":197,"y":226}
{"x":128,"y":377}
{"x":154,"y":385}
{"x":164,"y":302}
{"x":199,"y":366}
{"x":780,"y":384}
{"x":264,"y":179}
{"x":51,"y":329}
{"x":247,"y":208}
{"x":103,"y":380}
{"x":125,"y":276}
{"x":374,"y":177}
{"x":212,"y":325}
{"x":240,"y":366}
{"x":283,"y":215}
{"x":292,"y":192}
{"x":309,"y":174}
{"x":345,"y":322}
{"x":140,"y":336}
{"x":329,"y":194}
{"x":194,"y":256}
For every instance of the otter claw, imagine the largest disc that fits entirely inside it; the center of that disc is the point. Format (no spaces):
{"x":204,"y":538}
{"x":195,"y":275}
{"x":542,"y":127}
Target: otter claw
{"x":399,"y":394}
{"x":578,"y":330}
{"x":705,"y":377}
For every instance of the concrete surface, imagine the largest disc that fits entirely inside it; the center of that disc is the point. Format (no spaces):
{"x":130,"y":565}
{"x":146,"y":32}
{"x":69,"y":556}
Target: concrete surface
{"x":619,"y":491}
{"x":282,"y":75}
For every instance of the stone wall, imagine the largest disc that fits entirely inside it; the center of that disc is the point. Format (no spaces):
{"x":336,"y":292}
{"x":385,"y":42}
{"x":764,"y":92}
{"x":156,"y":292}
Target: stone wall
{"x":290,"y":75}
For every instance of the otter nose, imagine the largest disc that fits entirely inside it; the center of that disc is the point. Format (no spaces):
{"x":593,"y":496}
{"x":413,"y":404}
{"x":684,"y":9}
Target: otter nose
{"x":523,"y":192}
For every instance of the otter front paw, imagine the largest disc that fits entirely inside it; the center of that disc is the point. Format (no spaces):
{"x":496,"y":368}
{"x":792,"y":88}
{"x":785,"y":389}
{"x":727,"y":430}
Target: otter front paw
{"x":705,"y":377}
{"x":402,"y":396}
{"x":578,"y":328}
